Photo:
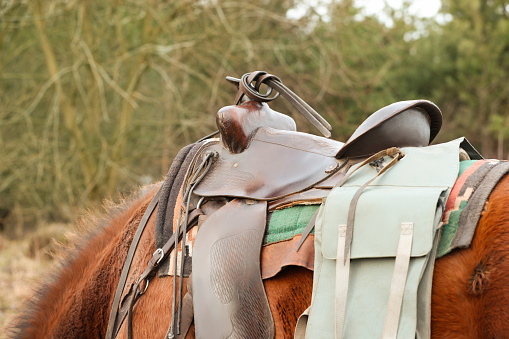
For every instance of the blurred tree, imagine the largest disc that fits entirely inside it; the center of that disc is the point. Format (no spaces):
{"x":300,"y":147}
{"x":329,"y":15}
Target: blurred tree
{"x":99,"y":96}
{"x":464,"y":64}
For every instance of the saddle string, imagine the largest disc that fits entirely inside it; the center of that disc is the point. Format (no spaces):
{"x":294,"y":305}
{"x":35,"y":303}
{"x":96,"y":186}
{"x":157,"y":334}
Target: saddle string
{"x":210,"y":159}
{"x":274,"y":83}
{"x":159,"y":255}
{"x":304,"y":108}
{"x":311,"y":225}
{"x":198,"y":175}
{"x":185,"y":198}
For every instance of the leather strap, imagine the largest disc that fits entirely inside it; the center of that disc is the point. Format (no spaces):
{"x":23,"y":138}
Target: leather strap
{"x":111,"y":330}
{"x":398,"y":281}
{"x":196,"y":175}
{"x":307,"y":231}
{"x":342,"y":280}
{"x":187,"y":314}
{"x":132,"y":301}
{"x":392,"y":152}
{"x":273,"y":82}
{"x":311,"y":225}
{"x":135,"y":293}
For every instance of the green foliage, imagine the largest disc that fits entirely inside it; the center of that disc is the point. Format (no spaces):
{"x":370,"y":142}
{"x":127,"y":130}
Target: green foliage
{"x":99,"y":96}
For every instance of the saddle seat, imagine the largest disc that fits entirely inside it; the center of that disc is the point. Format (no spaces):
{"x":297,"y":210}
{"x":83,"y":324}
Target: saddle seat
{"x":271,"y":163}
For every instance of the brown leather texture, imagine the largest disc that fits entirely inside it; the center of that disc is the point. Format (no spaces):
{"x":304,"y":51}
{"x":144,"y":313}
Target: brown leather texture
{"x":301,"y":141}
{"x":238,"y":124}
{"x":311,"y":196}
{"x":228,"y":294}
{"x":404,"y":123}
{"x":277,"y":256}
{"x":276,"y":164}
{"x":250,"y":83}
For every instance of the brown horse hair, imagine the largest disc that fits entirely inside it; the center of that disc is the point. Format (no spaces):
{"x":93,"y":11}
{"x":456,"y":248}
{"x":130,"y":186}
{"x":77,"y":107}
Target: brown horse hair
{"x":470,"y":296}
{"x":82,"y":284}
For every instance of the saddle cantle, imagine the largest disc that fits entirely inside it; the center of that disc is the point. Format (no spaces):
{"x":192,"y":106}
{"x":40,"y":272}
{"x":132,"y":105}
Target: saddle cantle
{"x":405,"y":123}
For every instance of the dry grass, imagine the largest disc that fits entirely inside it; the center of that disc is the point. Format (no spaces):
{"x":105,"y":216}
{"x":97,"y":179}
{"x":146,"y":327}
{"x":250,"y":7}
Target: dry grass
{"x":23,"y":264}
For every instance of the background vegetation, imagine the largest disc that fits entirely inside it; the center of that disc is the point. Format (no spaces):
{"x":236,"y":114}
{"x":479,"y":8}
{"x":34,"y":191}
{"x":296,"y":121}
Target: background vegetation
{"x":97,"y":97}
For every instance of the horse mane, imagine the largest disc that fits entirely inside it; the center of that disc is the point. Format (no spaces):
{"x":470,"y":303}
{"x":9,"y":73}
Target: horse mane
{"x":82,"y":271}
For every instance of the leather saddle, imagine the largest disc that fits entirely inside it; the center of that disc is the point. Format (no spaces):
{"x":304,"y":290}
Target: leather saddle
{"x":262,"y":163}
{"x":258,"y":164}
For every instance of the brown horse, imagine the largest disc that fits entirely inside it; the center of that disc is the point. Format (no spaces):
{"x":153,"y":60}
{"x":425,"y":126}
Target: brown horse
{"x":470,"y":296}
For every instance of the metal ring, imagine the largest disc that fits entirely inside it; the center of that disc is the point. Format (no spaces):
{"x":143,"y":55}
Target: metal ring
{"x":146,"y":287}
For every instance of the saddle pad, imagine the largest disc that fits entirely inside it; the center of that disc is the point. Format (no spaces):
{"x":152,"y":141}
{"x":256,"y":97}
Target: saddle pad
{"x":467,"y":200}
{"x":287,"y":223}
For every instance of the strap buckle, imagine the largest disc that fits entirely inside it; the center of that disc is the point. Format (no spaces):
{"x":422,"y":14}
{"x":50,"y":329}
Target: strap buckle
{"x":159,"y":251}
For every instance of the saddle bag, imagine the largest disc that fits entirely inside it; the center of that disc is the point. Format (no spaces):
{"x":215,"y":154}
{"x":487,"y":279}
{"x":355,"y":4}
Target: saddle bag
{"x":381,"y":286}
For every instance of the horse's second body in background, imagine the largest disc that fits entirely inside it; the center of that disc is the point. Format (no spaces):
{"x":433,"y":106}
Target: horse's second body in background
{"x":469,"y":299}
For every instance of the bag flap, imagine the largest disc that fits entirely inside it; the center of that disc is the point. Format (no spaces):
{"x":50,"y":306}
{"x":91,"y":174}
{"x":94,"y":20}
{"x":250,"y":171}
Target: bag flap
{"x":378,"y":217}
{"x":432,"y":166}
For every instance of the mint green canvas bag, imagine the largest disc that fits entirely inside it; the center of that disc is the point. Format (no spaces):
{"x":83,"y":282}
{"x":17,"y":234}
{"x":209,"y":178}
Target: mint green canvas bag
{"x":392,"y":253}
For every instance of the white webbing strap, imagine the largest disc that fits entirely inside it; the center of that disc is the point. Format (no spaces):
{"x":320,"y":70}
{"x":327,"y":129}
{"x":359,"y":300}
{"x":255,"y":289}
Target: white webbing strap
{"x":342,"y":278}
{"x":302,"y":323}
{"x":398,"y":280}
